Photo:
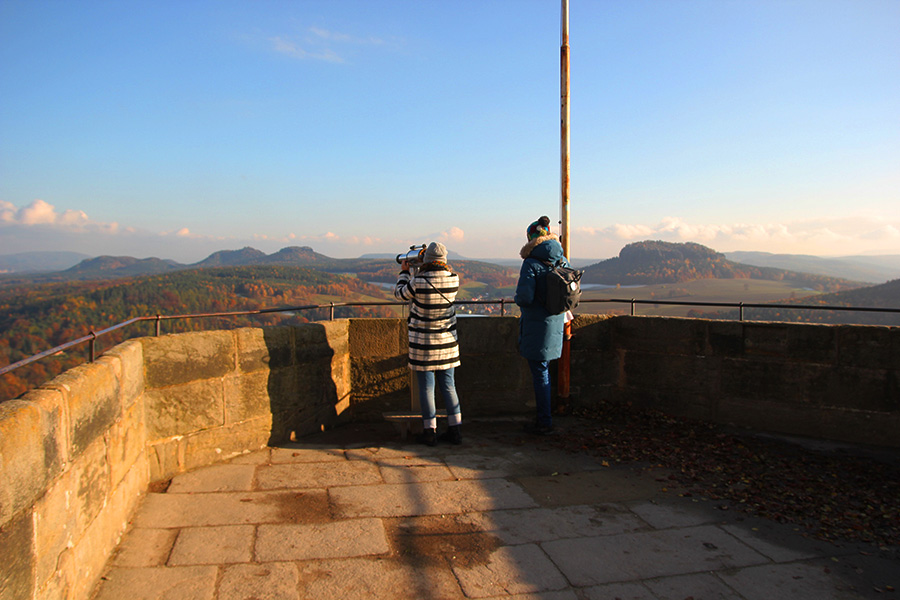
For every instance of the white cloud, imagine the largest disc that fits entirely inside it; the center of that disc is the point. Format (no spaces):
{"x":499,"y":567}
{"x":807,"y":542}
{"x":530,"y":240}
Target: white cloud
{"x":818,"y":236}
{"x":319,"y":44}
{"x":42,"y":213}
{"x":454,"y":234}
{"x":294,"y":50}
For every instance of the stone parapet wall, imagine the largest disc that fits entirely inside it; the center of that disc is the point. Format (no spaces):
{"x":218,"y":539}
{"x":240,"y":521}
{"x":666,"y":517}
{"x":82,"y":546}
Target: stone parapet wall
{"x":835,"y":382}
{"x":491,"y":379}
{"x":73,"y":464}
{"x":212,"y":395}
{"x":77,"y":454}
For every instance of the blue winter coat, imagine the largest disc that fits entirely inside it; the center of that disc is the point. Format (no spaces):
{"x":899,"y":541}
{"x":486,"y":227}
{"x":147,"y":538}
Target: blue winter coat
{"x":540,"y":333}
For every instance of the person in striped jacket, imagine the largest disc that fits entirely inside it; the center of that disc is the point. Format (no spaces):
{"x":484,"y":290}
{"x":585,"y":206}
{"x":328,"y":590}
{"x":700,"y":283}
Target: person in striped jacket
{"x":433,"y":342}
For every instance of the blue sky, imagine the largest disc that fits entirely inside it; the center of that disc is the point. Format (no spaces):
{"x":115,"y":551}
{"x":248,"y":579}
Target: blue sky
{"x":174,"y":129}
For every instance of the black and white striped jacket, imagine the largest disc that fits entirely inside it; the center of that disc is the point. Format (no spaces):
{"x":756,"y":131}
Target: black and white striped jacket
{"x":433,"y":343}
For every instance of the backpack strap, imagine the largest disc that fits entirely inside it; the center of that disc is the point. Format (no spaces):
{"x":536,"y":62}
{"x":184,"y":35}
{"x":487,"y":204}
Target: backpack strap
{"x":428,"y":281}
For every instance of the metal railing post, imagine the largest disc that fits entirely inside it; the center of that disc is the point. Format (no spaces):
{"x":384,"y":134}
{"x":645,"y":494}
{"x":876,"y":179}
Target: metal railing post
{"x":331,"y":314}
{"x":158,"y":321}
{"x":93,"y":345}
{"x":503,"y":307}
{"x":632,"y":307}
{"x":741,"y":311}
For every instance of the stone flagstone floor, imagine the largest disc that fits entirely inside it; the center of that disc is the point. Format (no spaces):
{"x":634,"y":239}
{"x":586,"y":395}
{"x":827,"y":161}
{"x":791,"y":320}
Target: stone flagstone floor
{"x":358,"y":513}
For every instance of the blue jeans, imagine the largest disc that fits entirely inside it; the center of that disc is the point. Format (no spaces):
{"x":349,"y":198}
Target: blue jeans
{"x":540,"y":377}
{"x":447,"y":384}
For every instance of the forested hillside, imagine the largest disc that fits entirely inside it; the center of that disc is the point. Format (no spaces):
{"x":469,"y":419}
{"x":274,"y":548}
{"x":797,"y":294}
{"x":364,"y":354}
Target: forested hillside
{"x":38,"y":317}
{"x":650,"y":262}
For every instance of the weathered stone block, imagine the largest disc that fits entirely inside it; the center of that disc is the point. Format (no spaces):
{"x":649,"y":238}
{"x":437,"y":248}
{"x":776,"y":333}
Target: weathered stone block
{"x":371,"y":338}
{"x":666,"y":372}
{"x":247,"y":396}
{"x":593,"y":368}
{"x":487,"y":336}
{"x":591,"y":333}
{"x":89,"y":486}
{"x":338,"y":335}
{"x":284,"y":391}
{"x":314,"y":382}
{"x":54,"y":418}
{"x":62,"y":582}
{"x":165,"y":458}
{"x":852,"y":388}
{"x":16,"y":558}
{"x":725,"y":338}
{"x":127,"y":439}
{"x":762,"y":380}
{"x":266,"y":348}
{"x":868,"y":347}
{"x":341,"y":375}
{"x":23,"y":475}
{"x":56,"y":525}
{"x":660,"y":334}
{"x":374,"y":376}
{"x":92,"y":394}
{"x":184,"y":409}
{"x":766,"y":339}
{"x":92,"y":551}
{"x":812,"y":344}
{"x":492,"y":375}
{"x":130,"y":355}
{"x":181,"y":358}
{"x":372,"y":407}
{"x":215,"y":445}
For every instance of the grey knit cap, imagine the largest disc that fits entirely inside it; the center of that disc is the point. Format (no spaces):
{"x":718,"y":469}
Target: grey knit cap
{"x":435,"y":251}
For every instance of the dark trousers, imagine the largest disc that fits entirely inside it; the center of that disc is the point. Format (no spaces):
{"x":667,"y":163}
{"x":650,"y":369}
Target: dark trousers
{"x":540,"y":377}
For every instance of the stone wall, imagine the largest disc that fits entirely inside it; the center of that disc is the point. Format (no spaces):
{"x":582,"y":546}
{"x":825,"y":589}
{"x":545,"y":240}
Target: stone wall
{"x":73,"y":464}
{"x":212,"y":395}
{"x":835,"y":382}
{"x":77,"y":454}
{"x":492,"y":378}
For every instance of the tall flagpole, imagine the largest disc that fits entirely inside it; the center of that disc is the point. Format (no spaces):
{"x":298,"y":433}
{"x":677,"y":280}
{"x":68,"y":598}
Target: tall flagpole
{"x":564,"y":128}
{"x":563,"y":371}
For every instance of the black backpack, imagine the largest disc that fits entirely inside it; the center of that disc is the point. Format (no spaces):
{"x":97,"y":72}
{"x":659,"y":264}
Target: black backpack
{"x":563,"y":288}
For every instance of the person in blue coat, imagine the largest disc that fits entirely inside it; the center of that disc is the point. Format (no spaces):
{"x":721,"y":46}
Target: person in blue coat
{"x":540,"y":333}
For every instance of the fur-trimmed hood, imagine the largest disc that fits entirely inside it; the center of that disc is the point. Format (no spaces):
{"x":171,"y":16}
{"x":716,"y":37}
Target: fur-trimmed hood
{"x":528,"y":248}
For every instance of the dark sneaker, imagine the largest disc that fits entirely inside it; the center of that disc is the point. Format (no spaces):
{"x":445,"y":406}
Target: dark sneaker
{"x":536,"y":429}
{"x":452,"y":435}
{"x":427,"y":437}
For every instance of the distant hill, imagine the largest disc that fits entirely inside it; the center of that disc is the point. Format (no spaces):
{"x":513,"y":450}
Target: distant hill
{"x":38,"y":317}
{"x":119,"y":266}
{"x":871,"y":269}
{"x":36,"y":262}
{"x":651,"y":262}
{"x":232,"y":258}
{"x":112,"y":267}
{"x":297,"y":255}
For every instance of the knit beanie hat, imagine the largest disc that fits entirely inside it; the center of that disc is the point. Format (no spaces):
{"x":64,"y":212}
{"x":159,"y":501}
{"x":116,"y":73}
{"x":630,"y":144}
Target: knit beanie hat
{"x":435,"y":251}
{"x":539,"y":228}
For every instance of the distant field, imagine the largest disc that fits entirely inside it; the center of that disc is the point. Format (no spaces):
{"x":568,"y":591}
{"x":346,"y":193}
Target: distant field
{"x":701,"y":290}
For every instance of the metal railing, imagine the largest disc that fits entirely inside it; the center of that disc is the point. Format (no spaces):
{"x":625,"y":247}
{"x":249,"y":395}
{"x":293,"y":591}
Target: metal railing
{"x":91,"y":338}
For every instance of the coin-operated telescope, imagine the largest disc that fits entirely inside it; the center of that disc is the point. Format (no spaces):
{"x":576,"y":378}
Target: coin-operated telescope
{"x":415,"y":257}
